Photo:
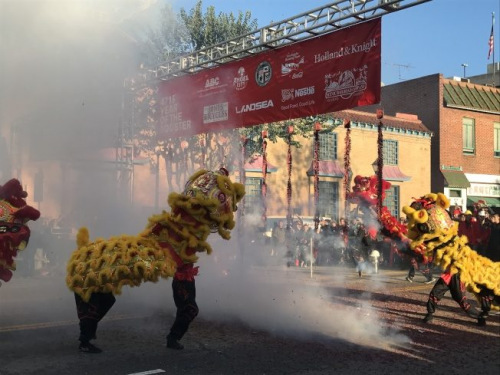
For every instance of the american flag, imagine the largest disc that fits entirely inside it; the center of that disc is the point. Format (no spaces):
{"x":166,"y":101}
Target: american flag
{"x":491,"y":43}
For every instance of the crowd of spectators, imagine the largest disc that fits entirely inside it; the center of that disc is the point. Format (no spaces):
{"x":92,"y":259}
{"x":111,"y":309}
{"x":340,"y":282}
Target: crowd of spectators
{"x":482,"y":228}
{"x":337,"y":243}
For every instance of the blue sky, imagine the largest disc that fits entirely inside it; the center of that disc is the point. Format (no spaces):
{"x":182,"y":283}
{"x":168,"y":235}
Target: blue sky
{"x":435,"y":37}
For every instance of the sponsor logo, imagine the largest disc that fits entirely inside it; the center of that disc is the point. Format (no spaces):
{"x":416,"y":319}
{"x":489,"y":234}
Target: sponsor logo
{"x":215,"y":112}
{"x":263,"y":73}
{"x":345,"y":84}
{"x":290,"y":94}
{"x":255,"y":106}
{"x":241,"y":80}
{"x":212,"y":82}
{"x":364,"y":47}
{"x":291,"y":66}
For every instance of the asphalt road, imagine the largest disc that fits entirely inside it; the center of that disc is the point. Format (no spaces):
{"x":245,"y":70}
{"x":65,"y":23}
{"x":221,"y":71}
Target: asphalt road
{"x":264,"y":320}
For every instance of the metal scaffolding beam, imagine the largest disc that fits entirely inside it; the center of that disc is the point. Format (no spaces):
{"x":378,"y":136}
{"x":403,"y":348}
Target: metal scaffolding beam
{"x":330,"y":17}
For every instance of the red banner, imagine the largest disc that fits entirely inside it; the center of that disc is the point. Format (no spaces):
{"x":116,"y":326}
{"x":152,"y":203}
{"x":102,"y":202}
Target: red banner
{"x":329,"y":73}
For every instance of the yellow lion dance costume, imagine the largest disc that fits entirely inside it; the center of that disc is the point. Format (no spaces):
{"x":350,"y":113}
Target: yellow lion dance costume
{"x":434,"y":235}
{"x":106,"y":265}
{"x":166,"y":248}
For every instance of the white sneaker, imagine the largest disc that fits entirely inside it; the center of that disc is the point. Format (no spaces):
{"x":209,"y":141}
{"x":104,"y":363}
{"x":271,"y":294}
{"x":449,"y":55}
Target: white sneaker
{"x":430,"y":281}
{"x":409,"y":279}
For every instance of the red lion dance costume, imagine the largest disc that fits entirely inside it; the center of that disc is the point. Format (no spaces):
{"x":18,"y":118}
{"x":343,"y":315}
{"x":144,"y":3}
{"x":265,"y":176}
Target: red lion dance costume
{"x":165,"y":249}
{"x":14,"y":233}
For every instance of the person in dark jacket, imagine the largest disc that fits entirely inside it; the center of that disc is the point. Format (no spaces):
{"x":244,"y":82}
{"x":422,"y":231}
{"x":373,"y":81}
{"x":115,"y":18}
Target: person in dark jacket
{"x":493,"y":247}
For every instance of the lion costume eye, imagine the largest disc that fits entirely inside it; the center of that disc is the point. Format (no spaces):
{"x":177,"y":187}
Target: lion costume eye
{"x":423,"y":228}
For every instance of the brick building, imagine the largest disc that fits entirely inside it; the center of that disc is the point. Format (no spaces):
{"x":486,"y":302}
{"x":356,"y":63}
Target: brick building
{"x":465,"y":121}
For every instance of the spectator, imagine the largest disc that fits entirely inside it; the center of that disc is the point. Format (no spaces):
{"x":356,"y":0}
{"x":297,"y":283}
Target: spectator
{"x":468,"y":227}
{"x":483,"y":231}
{"x":278,"y":239}
{"x":493,"y":248}
{"x":424,"y":268}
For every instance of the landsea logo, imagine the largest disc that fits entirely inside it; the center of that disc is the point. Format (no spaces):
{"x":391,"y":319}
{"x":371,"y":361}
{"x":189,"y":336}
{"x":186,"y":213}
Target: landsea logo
{"x":255,"y":106}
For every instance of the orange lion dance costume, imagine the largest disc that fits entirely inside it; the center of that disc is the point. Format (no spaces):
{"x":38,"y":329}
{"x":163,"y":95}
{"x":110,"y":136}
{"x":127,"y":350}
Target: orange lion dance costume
{"x":14,"y":233}
{"x":167,"y":248}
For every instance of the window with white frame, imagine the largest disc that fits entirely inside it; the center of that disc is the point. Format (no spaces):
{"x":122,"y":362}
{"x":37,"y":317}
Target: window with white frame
{"x":327,"y":146}
{"x":391,"y":200}
{"x":468,"y":135}
{"x":496,"y":139}
{"x":390,"y":149}
{"x":253,"y":195}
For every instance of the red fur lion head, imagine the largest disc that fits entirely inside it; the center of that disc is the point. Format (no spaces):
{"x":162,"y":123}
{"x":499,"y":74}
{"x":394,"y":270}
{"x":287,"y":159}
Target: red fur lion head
{"x":14,"y":233}
{"x":364,"y":191}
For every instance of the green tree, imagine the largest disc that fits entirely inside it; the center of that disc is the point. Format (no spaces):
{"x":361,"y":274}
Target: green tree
{"x":208,"y":29}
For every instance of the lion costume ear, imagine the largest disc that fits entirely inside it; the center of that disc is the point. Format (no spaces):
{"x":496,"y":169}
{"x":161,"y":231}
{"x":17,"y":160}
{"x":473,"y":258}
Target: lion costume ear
{"x":442,"y":200}
{"x":239,"y":191}
{"x":408,"y":210}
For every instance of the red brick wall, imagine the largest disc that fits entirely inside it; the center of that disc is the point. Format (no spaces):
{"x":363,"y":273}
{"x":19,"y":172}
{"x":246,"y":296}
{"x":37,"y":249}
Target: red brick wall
{"x":483,"y":161}
{"x":423,"y":97}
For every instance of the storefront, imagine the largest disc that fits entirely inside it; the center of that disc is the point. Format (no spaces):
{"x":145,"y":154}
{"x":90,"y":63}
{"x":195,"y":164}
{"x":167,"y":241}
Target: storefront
{"x":485,"y":188}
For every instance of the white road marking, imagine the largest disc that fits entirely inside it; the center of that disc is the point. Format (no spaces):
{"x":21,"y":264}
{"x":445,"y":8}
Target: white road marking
{"x":157,"y":371}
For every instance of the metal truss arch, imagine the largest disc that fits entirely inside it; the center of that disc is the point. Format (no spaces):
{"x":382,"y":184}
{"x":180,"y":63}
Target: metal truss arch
{"x":328,"y":18}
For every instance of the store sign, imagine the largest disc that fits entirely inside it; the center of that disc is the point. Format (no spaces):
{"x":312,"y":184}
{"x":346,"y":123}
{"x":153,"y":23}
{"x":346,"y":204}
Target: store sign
{"x":456,"y":202}
{"x":484,"y":190}
{"x":332,"y":72}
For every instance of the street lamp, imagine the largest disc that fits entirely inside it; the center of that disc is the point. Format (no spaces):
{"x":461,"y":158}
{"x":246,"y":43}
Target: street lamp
{"x":465,"y":66}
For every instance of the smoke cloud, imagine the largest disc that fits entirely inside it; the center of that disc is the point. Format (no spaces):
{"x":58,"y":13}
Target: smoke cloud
{"x":62,"y":70}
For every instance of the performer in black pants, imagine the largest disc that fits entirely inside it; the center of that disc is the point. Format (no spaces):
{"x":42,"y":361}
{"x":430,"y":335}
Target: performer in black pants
{"x":184,"y":292}
{"x":90,"y":313}
{"x":457,"y":289}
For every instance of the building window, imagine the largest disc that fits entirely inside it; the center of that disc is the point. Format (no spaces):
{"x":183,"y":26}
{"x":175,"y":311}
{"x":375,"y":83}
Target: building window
{"x":328,"y":199}
{"x":390,"y":152}
{"x":253,"y":195}
{"x":496,"y":139}
{"x":468,"y":134}
{"x":391,"y":200}
{"x":327,"y":146}
{"x":455,"y":193}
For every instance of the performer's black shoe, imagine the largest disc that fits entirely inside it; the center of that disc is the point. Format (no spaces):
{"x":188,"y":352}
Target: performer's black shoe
{"x":428,"y":318}
{"x":172,"y":343}
{"x":87,"y":347}
{"x":481,"y":321}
